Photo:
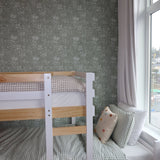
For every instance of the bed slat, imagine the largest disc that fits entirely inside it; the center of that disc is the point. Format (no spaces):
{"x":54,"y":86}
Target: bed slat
{"x":38,"y":113}
{"x":69,"y":130}
{"x":22,"y":114}
{"x":77,"y":111}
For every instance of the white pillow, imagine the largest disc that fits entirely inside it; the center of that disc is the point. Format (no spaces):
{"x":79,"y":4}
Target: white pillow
{"x":139,"y":122}
{"x":106,"y":124}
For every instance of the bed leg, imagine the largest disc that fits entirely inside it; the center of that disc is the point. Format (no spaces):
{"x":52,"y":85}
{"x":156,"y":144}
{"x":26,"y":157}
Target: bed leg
{"x":89,"y":114}
{"x":48,"y":116}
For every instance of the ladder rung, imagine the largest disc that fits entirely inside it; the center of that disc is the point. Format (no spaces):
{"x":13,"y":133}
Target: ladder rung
{"x":69,"y":130}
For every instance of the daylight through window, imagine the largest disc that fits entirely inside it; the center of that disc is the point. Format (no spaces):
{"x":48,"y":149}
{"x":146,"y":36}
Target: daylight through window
{"x":154,"y":115}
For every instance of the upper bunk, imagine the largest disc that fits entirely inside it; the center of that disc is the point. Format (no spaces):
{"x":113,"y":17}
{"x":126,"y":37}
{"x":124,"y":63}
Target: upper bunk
{"x":42,"y":86}
{"x":23,"y":92}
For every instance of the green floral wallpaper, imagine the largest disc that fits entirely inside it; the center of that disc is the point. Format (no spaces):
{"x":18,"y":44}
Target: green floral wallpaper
{"x":62,"y":35}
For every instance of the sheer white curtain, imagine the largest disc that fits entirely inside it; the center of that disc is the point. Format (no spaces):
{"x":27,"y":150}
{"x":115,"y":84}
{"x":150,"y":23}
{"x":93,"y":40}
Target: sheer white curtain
{"x":131,"y":52}
{"x":132,"y":58}
{"x":126,"y":53}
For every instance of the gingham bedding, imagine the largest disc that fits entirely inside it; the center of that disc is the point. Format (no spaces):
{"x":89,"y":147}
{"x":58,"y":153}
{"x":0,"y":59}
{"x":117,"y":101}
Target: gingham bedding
{"x":59,"y":84}
{"x":29,"y":144}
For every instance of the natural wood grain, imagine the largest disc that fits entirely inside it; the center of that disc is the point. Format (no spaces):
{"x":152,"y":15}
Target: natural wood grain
{"x":75,"y":111}
{"x":39,"y":113}
{"x":54,"y":73}
{"x":71,"y":73}
{"x":22,"y":114}
{"x":21,"y":78}
{"x":69,"y":130}
{"x":29,"y":76}
{"x":80,"y":74}
{"x":34,"y":76}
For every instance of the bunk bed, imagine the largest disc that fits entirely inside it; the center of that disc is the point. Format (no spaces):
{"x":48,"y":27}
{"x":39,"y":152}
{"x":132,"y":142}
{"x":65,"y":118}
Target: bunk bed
{"x":31,"y":104}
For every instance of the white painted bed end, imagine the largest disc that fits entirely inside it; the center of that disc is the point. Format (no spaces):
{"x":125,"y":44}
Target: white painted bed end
{"x":90,"y":77}
{"x":73,"y":120}
{"x":48,"y":116}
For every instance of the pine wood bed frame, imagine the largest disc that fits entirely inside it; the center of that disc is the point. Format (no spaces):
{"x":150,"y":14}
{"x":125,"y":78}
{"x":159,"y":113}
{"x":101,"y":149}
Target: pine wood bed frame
{"x":49,"y":111}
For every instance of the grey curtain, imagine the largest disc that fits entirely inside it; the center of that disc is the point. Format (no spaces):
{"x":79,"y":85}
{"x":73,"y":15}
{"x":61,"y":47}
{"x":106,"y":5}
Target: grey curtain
{"x":126,"y":53}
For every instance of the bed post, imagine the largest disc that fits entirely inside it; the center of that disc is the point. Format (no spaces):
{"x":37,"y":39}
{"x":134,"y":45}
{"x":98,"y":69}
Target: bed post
{"x":48,"y":116}
{"x":90,"y":77}
{"x":73,"y":120}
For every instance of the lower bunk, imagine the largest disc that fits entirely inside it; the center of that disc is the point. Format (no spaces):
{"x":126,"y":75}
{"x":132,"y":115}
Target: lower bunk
{"x":29,"y":144}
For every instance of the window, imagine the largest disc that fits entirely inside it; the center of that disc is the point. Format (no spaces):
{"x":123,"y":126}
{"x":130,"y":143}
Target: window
{"x":155,"y":70}
{"x":153,"y":38}
{"x":153,"y":1}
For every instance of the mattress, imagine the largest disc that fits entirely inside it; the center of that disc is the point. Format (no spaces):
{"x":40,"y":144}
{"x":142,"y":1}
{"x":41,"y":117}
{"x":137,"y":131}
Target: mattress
{"x":62,"y":99}
{"x":58,"y":84}
{"x":137,"y":152}
{"x":29,"y":144}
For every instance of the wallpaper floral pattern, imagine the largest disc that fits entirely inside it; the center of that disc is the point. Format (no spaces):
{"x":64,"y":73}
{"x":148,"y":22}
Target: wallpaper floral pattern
{"x":62,"y":35}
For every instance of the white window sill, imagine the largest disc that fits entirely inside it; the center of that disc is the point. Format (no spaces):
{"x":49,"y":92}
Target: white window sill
{"x":151,"y":139}
{"x":152,"y":132}
{"x":148,"y":138}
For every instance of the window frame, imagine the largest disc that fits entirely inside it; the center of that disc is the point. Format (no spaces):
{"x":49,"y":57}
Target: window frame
{"x":150,"y":9}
